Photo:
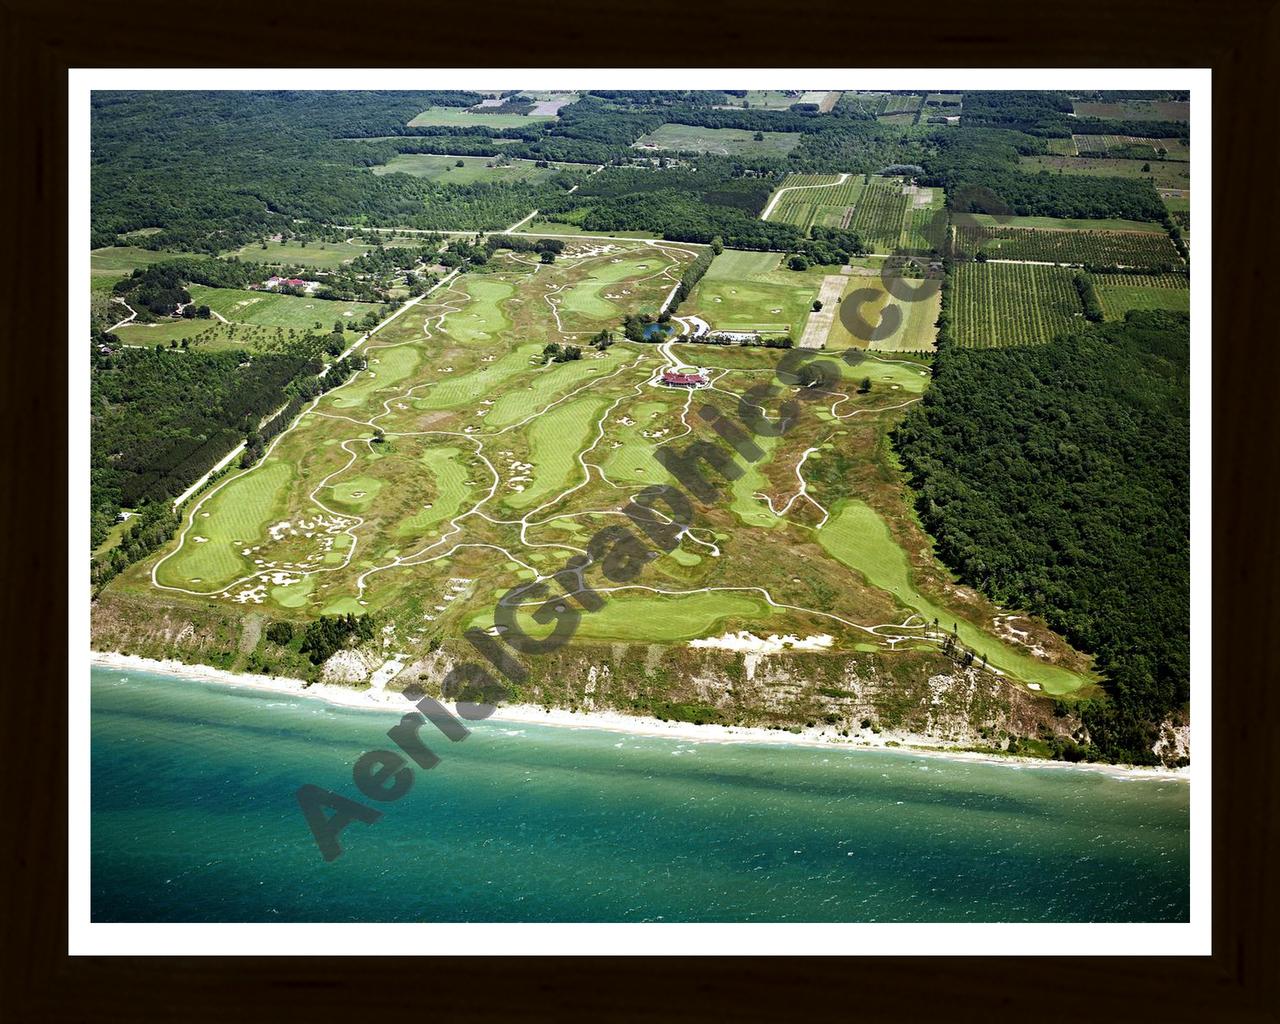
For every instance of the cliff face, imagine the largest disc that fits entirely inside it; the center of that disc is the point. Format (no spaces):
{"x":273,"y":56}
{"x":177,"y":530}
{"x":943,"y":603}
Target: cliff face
{"x":907,"y":696}
{"x":910,"y":696}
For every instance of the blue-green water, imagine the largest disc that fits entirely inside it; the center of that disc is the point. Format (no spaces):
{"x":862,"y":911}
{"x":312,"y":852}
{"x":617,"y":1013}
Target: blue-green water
{"x":195,"y":819}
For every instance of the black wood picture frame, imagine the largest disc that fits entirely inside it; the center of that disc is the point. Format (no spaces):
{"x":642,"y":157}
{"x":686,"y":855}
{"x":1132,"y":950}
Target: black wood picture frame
{"x":1238,"y":39}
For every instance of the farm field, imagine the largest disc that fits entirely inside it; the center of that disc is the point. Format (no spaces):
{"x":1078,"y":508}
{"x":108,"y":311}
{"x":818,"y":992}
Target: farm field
{"x":881,"y":213}
{"x":749,"y":291}
{"x":1174,"y":148}
{"x":763,"y":99}
{"x":718,"y":141}
{"x":830,"y":204}
{"x":1163,"y":173}
{"x":463,"y":118}
{"x":923,"y":228}
{"x":320,"y":255}
{"x":1135,"y":110}
{"x":882,"y":104}
{"x":999,"y":304}
{"x":117,"y":261}
{"x":474,"y":169}
{"x":1094,"y":247}
{"x":917,"y":329}
{"x":1119,"y":293}
{"x":493,"y":467}
{"x":1065,"y":223}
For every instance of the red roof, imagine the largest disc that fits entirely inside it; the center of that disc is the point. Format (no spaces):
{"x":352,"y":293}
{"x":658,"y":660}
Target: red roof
{"x":295,"y":281}
{"x":669,"y":377}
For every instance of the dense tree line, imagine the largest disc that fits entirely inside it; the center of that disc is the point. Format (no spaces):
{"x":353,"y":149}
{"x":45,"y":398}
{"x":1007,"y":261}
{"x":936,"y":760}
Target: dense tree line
{"x":150,"y":529}
{"x":691,"y":276}
{"x":1088,"y":298}
{"x":1055,"y":478}
{"x":160,"y":419}
{"x":1033,"y":112}
{"x":329,"y":634}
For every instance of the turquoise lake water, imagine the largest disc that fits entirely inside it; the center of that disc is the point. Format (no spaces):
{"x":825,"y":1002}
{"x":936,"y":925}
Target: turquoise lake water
{"x":195,"y":819}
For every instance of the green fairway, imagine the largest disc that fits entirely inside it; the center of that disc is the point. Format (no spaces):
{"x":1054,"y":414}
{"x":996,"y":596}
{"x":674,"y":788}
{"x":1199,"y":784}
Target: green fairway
{"x":597,"y":298}
{"x":654,"y":618}
{"x":482,"y":318}
{"x":550,"y":382}
{"x":232,"y":519}
{"x":436,"y":167}
{"x":460,"y":116}
{"x":449,"y":475}
{"x":718,"y":141}
{"x":858,"y":537}
{"x":744,"y":504}
{"x":470,"y":388}
{"x":555,"y":438}
{"x":734,"y":264}
{"x":387,"y":367}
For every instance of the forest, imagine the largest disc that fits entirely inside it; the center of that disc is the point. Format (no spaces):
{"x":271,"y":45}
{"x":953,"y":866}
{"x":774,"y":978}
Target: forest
{"x":159,"y":419}
{"x":1056,"y":479}
{"x":215,"y":171}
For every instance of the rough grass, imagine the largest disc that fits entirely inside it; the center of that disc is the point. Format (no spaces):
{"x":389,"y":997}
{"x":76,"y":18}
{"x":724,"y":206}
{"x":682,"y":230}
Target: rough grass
{"x":857,"y":536}
{"x":460,"y":116}
{"x":1119,"y":293}
{"x":718,"y":141}
{"x":916,"y":331}
{"x":268,"y":309}
{"x":474,"y":168}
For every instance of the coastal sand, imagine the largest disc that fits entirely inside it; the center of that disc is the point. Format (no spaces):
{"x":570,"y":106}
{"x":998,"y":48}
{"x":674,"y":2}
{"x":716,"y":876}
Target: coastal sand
{"x":612,"y":721}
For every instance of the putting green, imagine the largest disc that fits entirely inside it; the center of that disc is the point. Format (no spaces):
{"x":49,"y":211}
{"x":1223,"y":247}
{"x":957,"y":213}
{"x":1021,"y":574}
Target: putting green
{"x":352,"y":494}
{"x":858,"y":537}
{"x":295,"y":595}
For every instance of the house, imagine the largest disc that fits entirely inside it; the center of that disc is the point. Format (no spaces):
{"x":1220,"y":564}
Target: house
{"x":672,"y":379}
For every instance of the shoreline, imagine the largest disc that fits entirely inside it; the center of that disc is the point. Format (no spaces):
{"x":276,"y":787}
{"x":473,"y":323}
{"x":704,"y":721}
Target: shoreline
{"x":376,"y":699}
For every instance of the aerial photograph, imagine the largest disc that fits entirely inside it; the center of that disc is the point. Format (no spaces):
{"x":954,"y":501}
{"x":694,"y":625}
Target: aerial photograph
{"x":603,"y":505}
